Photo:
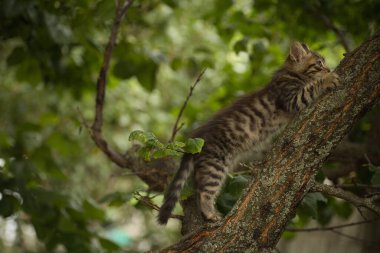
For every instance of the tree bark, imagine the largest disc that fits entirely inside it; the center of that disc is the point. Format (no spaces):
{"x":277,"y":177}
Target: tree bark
{"x":260,"y":216}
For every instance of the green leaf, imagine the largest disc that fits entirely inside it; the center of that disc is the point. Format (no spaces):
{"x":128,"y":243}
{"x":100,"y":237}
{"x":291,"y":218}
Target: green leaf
{"x":154,"y":148}
{"x":374,"y":168}
{"x":109,"y":245}
{"x":137,"y":135}
{"x":231,"y":192}
{"x":343,"y":209}
{"x":325,"y":214}
{"x":62,"y":144}
{"x":17,"y":56}
{"x":145,"y":152}
{"x":51,"y":198}
{"x":49,"y":119}
{"x":147,"y":76}
{"x":226,"y":201}
{"x":194,"y":146}
{"x":144,"y":137}
{"x":241,"y":45}
{"x":176,"y":144}
{"x":375,"y":180}
{"x":310,"y":203}
{"x":237,"y":184}
{"x":29,"y":71}
{"x":9,"y":204}
{"x":287,"y":235}
{"x":66,"y":225}
{"x":132,"y":62}
{"x":92,"y":211}
{"x":116,"y":198}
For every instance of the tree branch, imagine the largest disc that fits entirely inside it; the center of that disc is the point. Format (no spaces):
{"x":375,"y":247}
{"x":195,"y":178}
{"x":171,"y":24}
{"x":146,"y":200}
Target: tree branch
{"x":176,"y":128}
{"x":364,"y":241}
{"x":331,"y":227}
{"x":329,"y":24}
{"x":261,"y":214}
{"x":96,"y":129}
{"x":148,"y":202}
{"x":353,"y":187}
{"x":348,"y":196}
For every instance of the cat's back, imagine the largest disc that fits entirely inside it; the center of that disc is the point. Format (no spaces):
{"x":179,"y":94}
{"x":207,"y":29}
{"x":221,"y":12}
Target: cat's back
{"x":242,"y":121}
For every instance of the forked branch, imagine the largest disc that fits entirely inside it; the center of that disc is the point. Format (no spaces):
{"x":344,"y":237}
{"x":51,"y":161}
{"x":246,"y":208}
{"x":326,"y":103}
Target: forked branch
{"x":368,"y":203}
{"x":96,"y":128}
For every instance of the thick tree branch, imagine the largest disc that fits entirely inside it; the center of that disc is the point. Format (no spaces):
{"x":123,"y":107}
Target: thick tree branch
{"x":349,"y":197}
{"x":258,"y":219}
{"x":96,"y":128}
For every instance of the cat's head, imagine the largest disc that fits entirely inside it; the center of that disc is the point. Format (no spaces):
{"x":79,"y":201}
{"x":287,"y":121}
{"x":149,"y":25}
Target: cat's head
{"x":302,"y":60}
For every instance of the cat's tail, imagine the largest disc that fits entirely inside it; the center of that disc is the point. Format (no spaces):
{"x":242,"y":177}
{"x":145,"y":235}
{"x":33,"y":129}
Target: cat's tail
{"x":174,"y":191}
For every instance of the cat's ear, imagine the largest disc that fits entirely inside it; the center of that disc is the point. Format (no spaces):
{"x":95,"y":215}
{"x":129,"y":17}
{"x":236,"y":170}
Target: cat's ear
{"x":297,"y":51}
{"x":305,"y":47}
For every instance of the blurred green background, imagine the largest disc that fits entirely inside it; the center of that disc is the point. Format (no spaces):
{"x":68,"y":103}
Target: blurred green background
{"x":58,"y":192}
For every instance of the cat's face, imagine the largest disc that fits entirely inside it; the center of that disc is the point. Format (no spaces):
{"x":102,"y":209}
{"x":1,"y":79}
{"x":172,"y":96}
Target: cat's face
{"x":304,"y":61}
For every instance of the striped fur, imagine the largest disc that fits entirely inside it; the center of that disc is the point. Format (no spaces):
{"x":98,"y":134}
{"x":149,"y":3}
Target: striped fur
{"x":248,"y":124}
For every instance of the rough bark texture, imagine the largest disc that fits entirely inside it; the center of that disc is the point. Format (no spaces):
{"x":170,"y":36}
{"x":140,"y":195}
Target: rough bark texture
{"x":260,"y":216}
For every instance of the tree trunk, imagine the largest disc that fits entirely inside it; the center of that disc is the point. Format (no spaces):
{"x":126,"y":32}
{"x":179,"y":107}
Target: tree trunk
{"x":260,"y":216}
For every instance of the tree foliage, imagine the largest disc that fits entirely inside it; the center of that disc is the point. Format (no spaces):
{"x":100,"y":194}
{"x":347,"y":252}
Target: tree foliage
{"x":51,"y":174}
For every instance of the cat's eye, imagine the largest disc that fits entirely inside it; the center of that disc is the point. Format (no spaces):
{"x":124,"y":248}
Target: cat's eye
{"x":320,"y":63}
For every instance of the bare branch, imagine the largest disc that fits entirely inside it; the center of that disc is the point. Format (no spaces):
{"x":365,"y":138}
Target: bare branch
{"x":146,"y":200}
{"x":176,"y":128}
{"x":348,"y":196}
{"x":96,"y":128}
{"x":352,"y":187}
{"x":355,"y":238}
{"x":83,"y":121}
{"x":331,"y":227}
{"x":334,"y":229}
{"x":329,"y":24}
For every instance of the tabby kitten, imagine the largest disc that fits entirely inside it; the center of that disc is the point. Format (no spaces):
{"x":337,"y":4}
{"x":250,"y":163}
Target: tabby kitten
{"x":248,"y":123}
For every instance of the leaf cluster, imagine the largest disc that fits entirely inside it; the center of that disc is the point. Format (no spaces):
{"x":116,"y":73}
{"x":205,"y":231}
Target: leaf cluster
{"x":153,"y":148}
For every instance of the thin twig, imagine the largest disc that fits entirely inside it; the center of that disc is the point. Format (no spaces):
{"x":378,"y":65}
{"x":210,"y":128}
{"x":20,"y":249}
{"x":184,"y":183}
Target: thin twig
{"x":359,"y":208}
{"x":355,"y":238}
{"x":348,"y":196}
{"x":328,"y":23}
{"x":146,"y":200}
{"x":83,"y":121}
{"x":331,"y":227}
{"x":96,"y":128}
{"x":176,"y":128}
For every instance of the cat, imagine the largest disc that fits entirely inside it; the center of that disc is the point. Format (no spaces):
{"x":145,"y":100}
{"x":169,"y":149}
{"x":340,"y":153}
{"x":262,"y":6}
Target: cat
{"x":248,"y":123}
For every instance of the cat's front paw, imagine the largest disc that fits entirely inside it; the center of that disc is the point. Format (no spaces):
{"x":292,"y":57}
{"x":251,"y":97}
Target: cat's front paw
{"x":332,"y":80}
